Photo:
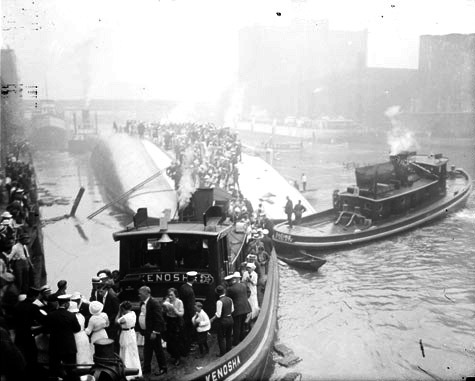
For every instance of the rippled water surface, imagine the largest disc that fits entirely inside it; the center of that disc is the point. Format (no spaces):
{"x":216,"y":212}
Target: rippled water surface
{"x":362,"y":316}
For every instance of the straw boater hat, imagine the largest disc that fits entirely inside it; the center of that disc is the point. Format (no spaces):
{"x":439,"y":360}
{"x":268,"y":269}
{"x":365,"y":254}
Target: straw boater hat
{"x":6,"y":215}
{"x":76,"y":296}
{"x":62,"y":299}
{"x":229,"y":277}
{"x":251,"y":266}
{"x":73,"y":307}
{"x":237,"y":274}
{"x":95,"y":308}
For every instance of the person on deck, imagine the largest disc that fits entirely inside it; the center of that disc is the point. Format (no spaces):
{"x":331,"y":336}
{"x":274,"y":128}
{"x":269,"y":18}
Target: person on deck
{"x":289,"y":209}
{"x":299,"y":209}
{"x":203,"y":325}
{"x":250,"y":279}
{"x":224,"y":319}
{"x":152,"y":326}
{"x":128,"y":341}
{"x":187,"y":296}
{"x":62,"y":325}
{"x":174,"y":312}
{"x":237,"y":291}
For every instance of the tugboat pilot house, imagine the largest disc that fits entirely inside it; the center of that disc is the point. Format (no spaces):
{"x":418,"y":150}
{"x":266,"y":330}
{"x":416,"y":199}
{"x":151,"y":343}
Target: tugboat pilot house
{"x":384,"y":190}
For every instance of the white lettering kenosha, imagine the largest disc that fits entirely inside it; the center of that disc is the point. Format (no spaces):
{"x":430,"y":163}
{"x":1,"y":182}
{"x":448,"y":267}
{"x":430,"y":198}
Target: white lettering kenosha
{"x":224,"y":370}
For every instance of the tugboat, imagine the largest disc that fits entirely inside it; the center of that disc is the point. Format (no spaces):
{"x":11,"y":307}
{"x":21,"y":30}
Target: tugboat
{"x":49,"y":128}
{"x":388,"y":198}
{"x":159,"y":253}
{"x":85,"y":136}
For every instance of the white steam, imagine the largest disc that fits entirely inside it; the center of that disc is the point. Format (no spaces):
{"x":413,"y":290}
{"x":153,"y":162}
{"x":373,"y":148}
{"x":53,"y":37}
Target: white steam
{"x":187,"y":186}
{"x":399,"y":138}
{"x":233,"y":113}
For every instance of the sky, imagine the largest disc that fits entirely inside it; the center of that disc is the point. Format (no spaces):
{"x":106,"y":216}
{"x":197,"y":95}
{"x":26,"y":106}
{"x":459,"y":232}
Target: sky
{"x":186,"y":50}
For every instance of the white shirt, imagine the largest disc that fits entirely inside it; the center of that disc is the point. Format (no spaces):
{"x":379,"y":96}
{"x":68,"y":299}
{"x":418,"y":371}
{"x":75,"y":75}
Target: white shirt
{"x":203,"y":321}
{"x":219,"y":306}
{"x":143,"y":310}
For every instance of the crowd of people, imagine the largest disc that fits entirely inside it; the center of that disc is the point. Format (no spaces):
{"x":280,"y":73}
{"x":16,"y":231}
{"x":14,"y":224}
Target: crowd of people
{"x":18,"y":219}
{"x":59,"y":328}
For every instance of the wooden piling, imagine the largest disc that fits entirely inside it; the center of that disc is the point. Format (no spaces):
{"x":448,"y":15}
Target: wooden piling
{"x":77,"y":201}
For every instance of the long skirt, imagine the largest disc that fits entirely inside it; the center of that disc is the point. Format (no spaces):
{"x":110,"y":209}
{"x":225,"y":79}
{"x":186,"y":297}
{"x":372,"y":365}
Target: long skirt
{"x":129,"y":352}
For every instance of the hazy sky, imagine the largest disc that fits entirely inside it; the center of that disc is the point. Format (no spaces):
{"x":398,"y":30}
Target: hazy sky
{"x":187,"y":49}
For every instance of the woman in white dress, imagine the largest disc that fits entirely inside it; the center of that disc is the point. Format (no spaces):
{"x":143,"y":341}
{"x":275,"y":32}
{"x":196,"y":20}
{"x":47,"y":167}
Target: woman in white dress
{"x":84,"y":353}
{"x":250,"y":279}
{"x":97,"y":323}
{"x":129,"y":352}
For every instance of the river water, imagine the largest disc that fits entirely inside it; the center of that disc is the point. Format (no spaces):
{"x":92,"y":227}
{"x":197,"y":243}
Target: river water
{"x":363,"y":315}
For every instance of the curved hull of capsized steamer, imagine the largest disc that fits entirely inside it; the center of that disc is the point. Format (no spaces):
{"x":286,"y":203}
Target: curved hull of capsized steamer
{"x":290,"y":242}
{"x":121,"y":162}
{"x":259,"y":182}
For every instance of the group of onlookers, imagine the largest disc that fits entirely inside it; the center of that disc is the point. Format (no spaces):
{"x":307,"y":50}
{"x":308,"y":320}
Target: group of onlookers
{"x":18,"y":220}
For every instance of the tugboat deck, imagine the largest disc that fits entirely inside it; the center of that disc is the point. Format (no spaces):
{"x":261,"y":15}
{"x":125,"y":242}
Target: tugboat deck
{"x":322,"y":224}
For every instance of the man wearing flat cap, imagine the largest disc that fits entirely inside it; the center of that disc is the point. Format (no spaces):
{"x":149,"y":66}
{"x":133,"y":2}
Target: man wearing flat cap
{"x":237,"y":291}
{"x":62,"y":325}
{"x":187,"y":296}
{"x":224,"y":320}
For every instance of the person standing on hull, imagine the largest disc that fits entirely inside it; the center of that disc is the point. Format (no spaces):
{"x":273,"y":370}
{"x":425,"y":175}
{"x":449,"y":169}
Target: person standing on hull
{"x":152,"y":326}
{"x":224,"y":319}
{"x":187,"y":296}
{"x":237,"y":291}
{"x":289,"y":209}
{"x":299,"y":209}
{"x":303,"y":179}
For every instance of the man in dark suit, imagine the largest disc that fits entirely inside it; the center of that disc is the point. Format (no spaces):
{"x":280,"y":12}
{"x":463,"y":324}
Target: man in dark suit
{"x":111,"y":308}
{"x":187,"y":296}
{"x":25,"y":314}
{"x":152,"y":326}
{"x":289,"y":209}
{"x":62,"y":325}
{"x":237,"y":291}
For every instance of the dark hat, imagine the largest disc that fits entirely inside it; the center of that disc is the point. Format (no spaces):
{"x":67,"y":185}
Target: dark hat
{"x":104,"y":349}
{"x":219,"y":290}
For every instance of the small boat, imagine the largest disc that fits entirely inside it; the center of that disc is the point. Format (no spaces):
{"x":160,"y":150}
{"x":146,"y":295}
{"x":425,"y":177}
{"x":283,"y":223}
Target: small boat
{"x":49,"y":129}
{"x":304,"y":261}
{"x":159,"y":253}
{"x":388,"y":198}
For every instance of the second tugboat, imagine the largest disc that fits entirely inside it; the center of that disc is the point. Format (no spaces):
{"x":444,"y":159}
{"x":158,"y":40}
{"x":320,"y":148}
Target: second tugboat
{"x":388,"y":198}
